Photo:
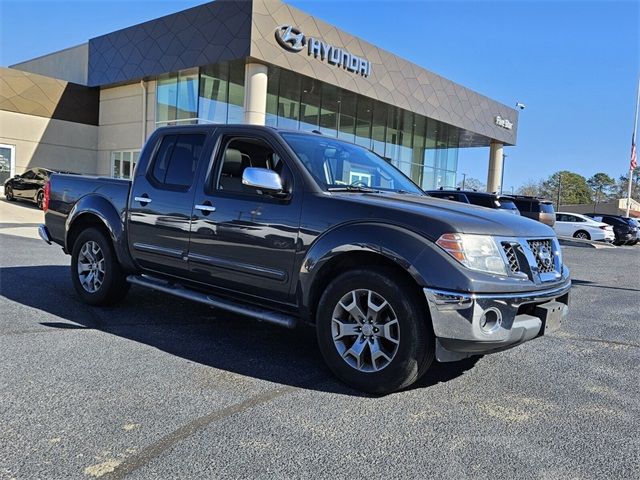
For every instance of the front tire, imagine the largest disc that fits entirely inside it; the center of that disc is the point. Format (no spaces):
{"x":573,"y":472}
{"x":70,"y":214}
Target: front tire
{"x":95,"y":271}
{"x":8,"y":194}
{"x":373,"y":330}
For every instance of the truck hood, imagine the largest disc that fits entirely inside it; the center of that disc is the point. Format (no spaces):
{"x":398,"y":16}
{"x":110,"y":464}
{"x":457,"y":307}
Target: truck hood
{"x":434,"y":216}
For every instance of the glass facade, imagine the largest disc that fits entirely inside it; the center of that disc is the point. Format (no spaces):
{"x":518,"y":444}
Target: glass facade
{"x":423,"y":149}
{"x":212,"y":94}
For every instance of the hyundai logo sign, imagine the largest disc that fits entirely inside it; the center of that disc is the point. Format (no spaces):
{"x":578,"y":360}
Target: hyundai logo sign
{"x":292,"y":39}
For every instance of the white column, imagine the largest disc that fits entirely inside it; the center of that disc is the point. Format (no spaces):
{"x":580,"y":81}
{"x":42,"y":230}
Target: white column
{"x":255,"y":93}
{"x":496,"y":159}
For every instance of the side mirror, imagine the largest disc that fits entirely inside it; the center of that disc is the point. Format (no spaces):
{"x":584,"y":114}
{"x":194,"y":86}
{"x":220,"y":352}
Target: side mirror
{"x":16,"y":176}
{"x":262,"y":179}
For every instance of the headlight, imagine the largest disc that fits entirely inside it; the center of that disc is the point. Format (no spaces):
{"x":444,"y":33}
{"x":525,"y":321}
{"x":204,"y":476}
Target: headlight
{"x":477,"y":252}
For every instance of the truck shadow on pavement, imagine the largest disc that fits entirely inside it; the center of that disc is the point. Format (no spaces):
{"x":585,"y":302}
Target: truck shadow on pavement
{"x":191,"y":331}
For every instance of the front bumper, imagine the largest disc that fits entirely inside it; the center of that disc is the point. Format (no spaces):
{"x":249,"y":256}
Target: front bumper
{"x":468,"y":324}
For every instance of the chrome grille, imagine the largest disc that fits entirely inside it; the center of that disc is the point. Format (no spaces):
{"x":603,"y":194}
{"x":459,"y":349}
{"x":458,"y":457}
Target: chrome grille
{"x":538,"y":245}
{"x":512,"y":258}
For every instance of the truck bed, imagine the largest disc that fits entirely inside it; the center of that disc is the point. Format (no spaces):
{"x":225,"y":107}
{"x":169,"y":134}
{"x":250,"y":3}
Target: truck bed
{"x":68,"y":190}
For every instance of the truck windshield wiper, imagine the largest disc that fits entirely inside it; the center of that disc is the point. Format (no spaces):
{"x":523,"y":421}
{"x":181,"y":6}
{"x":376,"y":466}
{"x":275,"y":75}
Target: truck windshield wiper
{"x":353,"y":188}
{"x":406,"y":192}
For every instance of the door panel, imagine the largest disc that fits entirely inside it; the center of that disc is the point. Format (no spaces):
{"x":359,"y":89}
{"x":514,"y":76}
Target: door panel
{"x":248,"y":243}
{"x":23,"y":185}
{"x":161,"y":202}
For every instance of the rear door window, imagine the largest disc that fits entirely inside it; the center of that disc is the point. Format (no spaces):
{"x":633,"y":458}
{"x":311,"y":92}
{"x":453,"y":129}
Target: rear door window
{"x":546,"y":207}
{"x":176,"y":160}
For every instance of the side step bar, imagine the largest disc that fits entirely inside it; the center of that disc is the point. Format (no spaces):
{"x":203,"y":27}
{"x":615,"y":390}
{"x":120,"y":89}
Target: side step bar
{"x":260,"y":314}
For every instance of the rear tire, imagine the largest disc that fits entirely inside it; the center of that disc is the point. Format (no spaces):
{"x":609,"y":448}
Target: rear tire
{"x":581,"y":234}
{"x":95,"y":271}
{"x":40,"y":199}
{"x":385,"y":344}
{"x":8,"y":194}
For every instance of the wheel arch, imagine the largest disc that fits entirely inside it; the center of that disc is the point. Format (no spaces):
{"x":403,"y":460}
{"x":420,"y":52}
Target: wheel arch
{"x":581,"y":230}
{"x":357,"y":245}
{"x":96,"y":211}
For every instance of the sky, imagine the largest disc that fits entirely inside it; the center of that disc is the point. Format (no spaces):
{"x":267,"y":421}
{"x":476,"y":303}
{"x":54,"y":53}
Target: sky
{"x":574,"y":64}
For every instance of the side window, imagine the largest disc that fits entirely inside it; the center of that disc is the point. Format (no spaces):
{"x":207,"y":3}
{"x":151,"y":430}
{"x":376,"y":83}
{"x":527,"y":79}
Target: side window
{"x":561,"y":217}
{"x":29,"y":175}
{"x":176,"y":160}
{"x":241,"y":153}
{"x":523,"y":205}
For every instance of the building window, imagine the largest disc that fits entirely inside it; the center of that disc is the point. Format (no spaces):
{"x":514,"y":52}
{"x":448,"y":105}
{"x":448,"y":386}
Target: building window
{"x":214,"y":91}
{"x":213,"y":94}
{"x":123,"y":163}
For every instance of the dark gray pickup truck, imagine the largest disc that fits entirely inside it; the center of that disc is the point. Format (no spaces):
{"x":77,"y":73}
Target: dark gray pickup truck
{"x":290,"y":227}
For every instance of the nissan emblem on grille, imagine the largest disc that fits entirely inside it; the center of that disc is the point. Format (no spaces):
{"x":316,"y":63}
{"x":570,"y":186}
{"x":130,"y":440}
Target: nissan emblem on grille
{"x":544,"y":256}
{"x":543,"y":253}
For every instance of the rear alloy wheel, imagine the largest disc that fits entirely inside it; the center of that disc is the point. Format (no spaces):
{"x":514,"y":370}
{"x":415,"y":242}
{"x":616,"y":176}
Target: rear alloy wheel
{"x":95,"y":271}
{"x":582,"y":235}
{"x":8,"y":193}
{"x":373,"y":330}
{"x":40,"y":199}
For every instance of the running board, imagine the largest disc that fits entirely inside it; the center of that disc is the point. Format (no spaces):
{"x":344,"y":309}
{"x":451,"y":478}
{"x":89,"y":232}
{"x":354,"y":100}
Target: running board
{"x":260,"y":314}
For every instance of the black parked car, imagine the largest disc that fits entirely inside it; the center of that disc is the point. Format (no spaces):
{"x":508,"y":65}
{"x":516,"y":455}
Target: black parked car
{"x":488,"y":200}
{"x":28,"y":186}
{"x":624,"y":228}
{"x":536,"y":208}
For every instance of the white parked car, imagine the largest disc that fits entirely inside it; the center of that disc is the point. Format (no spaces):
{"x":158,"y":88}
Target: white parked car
{"x":580,"y":226}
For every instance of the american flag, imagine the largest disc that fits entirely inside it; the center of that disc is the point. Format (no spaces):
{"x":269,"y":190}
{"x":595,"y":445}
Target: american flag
{"x":634,"y":160}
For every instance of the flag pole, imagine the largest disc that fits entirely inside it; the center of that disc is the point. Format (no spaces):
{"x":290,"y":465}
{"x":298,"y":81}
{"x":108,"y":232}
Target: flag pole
{"x":635,"y":131}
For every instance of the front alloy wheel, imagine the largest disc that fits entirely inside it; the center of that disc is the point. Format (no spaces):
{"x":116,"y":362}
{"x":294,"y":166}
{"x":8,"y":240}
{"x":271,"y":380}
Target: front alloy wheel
{"x":8,"y":193}
{"x":365,"y":330}
{"x":373,"y":329}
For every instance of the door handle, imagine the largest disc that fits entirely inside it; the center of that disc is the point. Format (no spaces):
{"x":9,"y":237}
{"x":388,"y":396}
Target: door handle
{"x":142,"y":199}
{"x":206,"y":208}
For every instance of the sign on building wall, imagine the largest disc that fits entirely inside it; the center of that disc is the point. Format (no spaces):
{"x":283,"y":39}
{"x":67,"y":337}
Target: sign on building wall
{"x":292,"y":39}
{"x":504,"y":123}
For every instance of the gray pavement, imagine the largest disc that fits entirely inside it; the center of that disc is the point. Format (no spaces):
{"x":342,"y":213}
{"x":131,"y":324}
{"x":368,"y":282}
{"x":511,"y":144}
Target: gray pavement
{"x":162,"y":388}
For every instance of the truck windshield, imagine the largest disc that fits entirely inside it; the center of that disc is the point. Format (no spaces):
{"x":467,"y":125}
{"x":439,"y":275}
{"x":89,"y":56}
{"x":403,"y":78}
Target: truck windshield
{"x":338,"y":165}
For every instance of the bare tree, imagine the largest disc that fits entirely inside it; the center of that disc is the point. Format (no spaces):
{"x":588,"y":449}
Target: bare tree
{"x":530,"y":188}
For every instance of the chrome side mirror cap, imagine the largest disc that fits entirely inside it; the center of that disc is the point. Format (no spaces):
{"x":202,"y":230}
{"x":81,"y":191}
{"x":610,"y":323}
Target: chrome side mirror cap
{"x":262,"y":179}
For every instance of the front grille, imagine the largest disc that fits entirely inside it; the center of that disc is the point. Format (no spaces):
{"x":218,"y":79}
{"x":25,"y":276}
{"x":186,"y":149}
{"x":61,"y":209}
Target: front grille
{"x":536,"y":247}
{"x":512,"y":258}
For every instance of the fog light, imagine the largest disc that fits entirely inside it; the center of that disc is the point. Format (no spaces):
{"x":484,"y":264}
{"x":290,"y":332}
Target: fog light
{"x":490,"y":320}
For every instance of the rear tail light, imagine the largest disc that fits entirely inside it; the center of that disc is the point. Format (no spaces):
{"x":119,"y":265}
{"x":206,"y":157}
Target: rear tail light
{"x":45,"y":200}
{"x":606,"y":227}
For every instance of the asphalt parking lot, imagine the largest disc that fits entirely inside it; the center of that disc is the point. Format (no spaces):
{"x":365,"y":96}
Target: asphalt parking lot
{"x":162,"y":388}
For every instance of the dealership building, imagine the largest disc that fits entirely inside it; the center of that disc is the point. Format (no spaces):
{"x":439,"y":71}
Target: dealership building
{"x":89,"y":108}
